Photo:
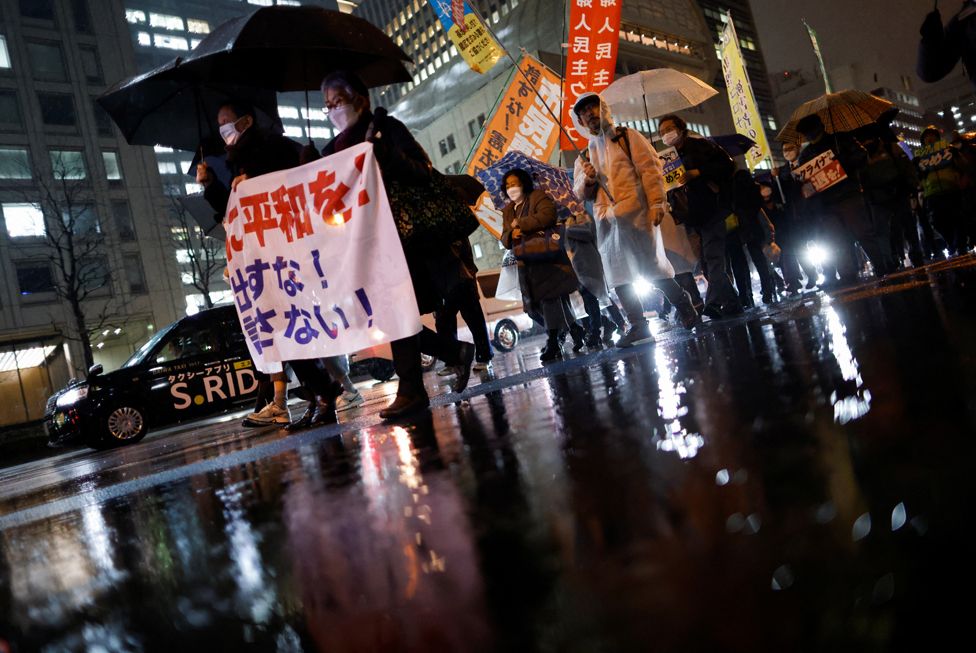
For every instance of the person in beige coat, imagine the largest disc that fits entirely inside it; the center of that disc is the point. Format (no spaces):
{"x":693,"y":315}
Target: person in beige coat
{"x":628,"y":219}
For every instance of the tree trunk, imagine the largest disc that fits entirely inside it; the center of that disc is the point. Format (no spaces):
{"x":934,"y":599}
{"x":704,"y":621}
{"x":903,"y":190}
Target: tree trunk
{"x":83,"y":335}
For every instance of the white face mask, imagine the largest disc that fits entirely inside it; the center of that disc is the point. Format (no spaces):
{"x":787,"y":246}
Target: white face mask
{"x":514,"y":193}
{"x":670,"y":138}
{"x":343,"y":116}
{"x":229,"y":133}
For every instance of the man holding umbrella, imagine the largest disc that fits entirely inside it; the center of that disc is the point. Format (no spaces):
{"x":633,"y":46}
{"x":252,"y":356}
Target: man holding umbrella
{"x":623,"y":176}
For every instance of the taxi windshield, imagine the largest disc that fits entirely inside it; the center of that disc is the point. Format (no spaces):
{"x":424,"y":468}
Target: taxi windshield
{"x":140,"y":355}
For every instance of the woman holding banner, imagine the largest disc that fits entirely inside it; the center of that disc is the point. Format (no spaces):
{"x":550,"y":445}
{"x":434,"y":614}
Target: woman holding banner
{"x":434,"y":267}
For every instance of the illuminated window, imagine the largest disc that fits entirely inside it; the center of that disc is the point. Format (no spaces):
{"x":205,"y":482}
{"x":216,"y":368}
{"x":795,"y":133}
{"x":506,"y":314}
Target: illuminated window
{"x":4,"y":55}
{"x":194,"y":26}
{"x":167,"y":168}
{"x":170,"y":42}
{"x":143,"y":38}
{"x":165,"y":21}
{"x":135,"y":16}
{"x":288,"y":112}
{"x":23,"y":220}
{"x":113,"y":171}
{"x":68,"y":164}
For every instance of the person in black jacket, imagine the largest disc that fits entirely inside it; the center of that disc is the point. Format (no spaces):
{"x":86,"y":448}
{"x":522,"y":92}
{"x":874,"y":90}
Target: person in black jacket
{"x":702,"y":204}
{"x":794,"y":230}
{"x":435,"y":269}
{"x":841,"y":209}
{"x":252,"y":152}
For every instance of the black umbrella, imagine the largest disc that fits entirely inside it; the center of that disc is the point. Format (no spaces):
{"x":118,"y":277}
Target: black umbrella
{"x":734,"y":144}
{"x":294,"y":48}
{"x":169,"y":106}
{"x":468,"y":188}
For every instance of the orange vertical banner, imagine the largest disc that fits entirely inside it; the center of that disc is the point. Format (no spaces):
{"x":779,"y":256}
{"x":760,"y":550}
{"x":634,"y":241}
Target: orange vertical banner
{"x":591,"y":57}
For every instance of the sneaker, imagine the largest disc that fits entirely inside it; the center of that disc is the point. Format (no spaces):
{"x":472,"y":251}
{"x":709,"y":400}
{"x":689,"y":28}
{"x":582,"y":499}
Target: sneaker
{"x":348,"y":400}
{"x":270,"y":414}
{"x":481,"y":366}
{"x":447,"y":370}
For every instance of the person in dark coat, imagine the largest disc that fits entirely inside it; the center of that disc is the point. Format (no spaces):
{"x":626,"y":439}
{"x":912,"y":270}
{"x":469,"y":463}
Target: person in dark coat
{"x":752,"y":234}
{"x":841,"y":210}
{"x":464,"y":299}
{"x":545,"y":286}
{"x":941,"y":48}
{"x":435,"y":269}
{"x":794,"y":230}
{"x":702,"y":205}
{"x":889,"y":182}
{"x":252,"y":152}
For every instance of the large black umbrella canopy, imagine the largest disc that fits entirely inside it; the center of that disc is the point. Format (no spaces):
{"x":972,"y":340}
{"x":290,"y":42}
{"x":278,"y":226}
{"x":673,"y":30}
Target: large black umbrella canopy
{"x":169,"y":106}
{"x":294,"y":48}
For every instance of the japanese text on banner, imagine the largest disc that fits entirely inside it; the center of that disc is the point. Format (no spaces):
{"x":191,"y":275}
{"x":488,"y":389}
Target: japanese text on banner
{"x":468,"y":34}
{"x":591,"y":57}
{"x":820,"y":173}
{"x":674,"y":168}
{"x":745,"y":111}
{"x":520,"y":121}
{"x":932,"y":157}
{"x":315,"y":262}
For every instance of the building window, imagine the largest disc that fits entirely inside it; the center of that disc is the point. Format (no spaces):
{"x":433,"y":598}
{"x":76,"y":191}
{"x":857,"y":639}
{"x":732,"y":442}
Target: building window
{"x":102,"y":120}
{"x":34,"y":277}
{"x":194,"y":26}
{"x":81,"y":16}
{"x":477,"y":250}
{"x":123,"y":220}
{"x":90,"y":63}
{"x":165,"y":21}
{"x":68,"y":164}
{"x":23,"y":220}
{"x":135,"y":16}
{"x":143,"y":38}
{"x":81,"y":220}
{"x":39,"y":9}
{"x":170,"y":42}
{"x":167,"y":168}
{"x":47,"y":61}
{"x":4,"y":54}
{"x":134,"y":274}
{"x":57,"y":109}
{"x":93,"y":272}
{"x":113,"y":171}
{"x":14,"y":163}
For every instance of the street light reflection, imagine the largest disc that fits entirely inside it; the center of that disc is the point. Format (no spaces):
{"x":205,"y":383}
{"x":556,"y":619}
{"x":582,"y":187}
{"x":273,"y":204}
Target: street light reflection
{"x":676,"y":439}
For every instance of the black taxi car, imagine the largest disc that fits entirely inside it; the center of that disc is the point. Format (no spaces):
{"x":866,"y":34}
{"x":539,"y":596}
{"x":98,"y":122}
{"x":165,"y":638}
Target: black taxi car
{"x":192,"y":368}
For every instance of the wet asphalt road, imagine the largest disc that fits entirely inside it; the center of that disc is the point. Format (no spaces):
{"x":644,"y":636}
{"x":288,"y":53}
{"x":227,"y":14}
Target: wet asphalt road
{"x":799,"y":479}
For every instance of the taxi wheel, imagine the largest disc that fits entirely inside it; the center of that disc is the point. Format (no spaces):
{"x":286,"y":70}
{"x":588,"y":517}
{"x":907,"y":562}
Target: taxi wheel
{"x":122,"y":424}
{"x":506,"y":335}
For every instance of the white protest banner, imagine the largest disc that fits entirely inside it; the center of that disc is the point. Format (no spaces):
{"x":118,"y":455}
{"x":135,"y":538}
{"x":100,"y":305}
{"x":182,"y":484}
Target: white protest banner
{"x":820,"y":173}
{"x":674,"y":168}
{"x":315,"y":261}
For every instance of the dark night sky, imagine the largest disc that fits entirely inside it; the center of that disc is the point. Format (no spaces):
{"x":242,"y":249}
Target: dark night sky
{"x":881,"y":34}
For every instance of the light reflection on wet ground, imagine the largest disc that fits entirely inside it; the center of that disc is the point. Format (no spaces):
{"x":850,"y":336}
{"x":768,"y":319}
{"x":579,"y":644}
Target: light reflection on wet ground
{"x":799,"y":479}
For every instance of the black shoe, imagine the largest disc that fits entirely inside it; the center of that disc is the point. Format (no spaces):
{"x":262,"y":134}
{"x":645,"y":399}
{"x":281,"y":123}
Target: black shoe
{"x":464,"y":369}
{"x":767,"y":298}
{"x":553,"y":351}
{"x":747,"y":301}
{"x":687,"y":314}
{"x":578,"y":335}
{"x":638,"y":333}
{"x":811,"y":284}
{"x":404,"y":405}
{"x":593,"y":341}
{"x":314,"y":415}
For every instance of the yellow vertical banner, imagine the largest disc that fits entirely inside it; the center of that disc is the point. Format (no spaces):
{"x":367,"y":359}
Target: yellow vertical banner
{"x":745,"y":111}
{"x":521,"y":120}
{"x":468,"y":34}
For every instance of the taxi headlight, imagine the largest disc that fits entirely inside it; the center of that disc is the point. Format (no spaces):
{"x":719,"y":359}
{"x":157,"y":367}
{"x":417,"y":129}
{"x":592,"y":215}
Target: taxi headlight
{"x":73,"y":396}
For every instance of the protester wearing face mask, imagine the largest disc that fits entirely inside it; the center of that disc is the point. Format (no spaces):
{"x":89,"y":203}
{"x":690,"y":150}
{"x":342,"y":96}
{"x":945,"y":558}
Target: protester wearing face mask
{"x":251,"y":152}
{"x":436,"y":270}
{"x":545,"y":286}
{"x":841,"y":209}
{"x":702,"y":204}
{"x":622,"y":173}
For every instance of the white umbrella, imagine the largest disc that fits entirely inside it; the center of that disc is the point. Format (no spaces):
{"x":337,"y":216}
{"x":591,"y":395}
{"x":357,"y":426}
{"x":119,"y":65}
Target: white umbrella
{"x":652,"y":93}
